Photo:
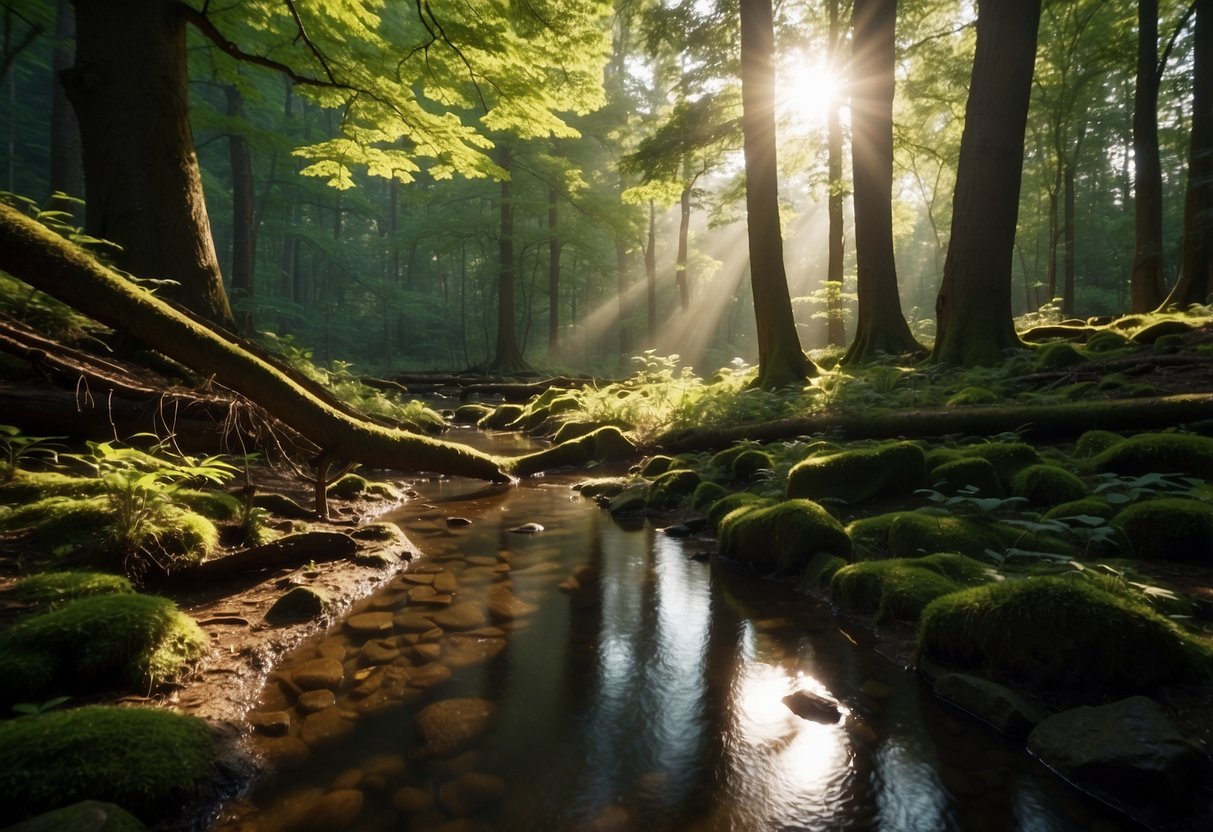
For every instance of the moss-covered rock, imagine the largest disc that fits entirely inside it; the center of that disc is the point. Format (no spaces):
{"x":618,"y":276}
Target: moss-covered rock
{"x":861,"y":474}
{"x":213,"y":505}
{"x":302,"y":603}
{"x":1106,"y":340}
{"x":58,"y":587}
{"x":870,"y":535}
{"x":348,"y":486}
{"x":573,"y":430}
{"x":672,"y":488}
{"x":1151,"y":332}
{"x":1058,"y":355}
{"x":972,"y":396}
{"x":1087,"y":506}
{"x":1171,"y":528}
{"x":379,"y":533}
{"x":1060,"y":634}
{"x":30,"y":486}
{"x":915,"y":533}
{"x":1008,"y":458}
{"x":630,"y":501}
{"x":601,"y":486}
{"x":732,"y":502}
{"x":85,"y":816}
{"x":748,"y":463}
{"x":282,"y":506}
{"x":1159,"y":453}
{"x":501,"y":417}
{"x":967,"y":473}
{"x":821,"y":568}
{"x":606,"y":444}
{"x":655,"y":466}
{"x":1045,"y":486}
{"x":901,"y":588}
{"x":706,"y":494}
{"x":1094,"y":442}
{"x":782,"y":537}
{"x":153,"y":763}
{"x":1170,"y":344}
{"x":722,"y":461}
{"x":132,"y":642}
{"x":470,"y":414}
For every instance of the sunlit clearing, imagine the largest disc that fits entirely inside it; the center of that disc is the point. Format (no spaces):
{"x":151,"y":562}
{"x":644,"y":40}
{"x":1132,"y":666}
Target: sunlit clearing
{"x":806,"y":88}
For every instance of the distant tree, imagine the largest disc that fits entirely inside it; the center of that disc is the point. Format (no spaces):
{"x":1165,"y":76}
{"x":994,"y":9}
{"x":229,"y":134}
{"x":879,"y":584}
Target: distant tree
{"x":835,"y":328}
{"x":973,"y":309}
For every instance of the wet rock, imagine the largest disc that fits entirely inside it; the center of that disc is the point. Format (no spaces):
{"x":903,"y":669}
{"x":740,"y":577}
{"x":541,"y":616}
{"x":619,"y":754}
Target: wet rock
{"x":418,"y":578}
{"x":378,"y":651}
{"x":368,"y":624}
{"x":467,"y":651}
{"x":412,"y":622}
{"x":334,"y":810}
{"x":348,"y":779}
{"x":487,"y":632}
{"x":318,"y":673}
{"x":678,"y":530}
{"x":447,"y":768}
{"x":334,"y":648}
{"x":316,"y":700}
{"x":1127,"y":753}
{"x":527,"y":528}
{"x":613,"y":818}
{"x":456,"y":522}
{"x":421,"y":592}
{"x":428,"y":651}
{"x":1001,"y":707}
{"x":452,"y":725}
{"x":429,"y":675}
{"x":303,"y":603}
{"x":504,"y":605}
{"x":466,"y":615}
{"x":285,"y":752}
{"x":470,"y":792}
{"x":810,"y":706}
{"x":367,"y":685}
{"x":445,"y":582}
{"x":389,"y":766}
{"x":326,"y":726}
{"x":270,"y":723}
{"x":411,"y":799}
{"x":85,"y":816}
{"x":875,"y":689}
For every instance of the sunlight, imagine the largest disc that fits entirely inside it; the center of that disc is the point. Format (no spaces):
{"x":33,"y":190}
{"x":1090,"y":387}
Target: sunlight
{"x":806,"y":88}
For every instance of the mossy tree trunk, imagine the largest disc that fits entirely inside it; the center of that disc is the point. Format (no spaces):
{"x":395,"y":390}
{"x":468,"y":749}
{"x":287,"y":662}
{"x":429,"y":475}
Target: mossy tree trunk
{"x":973,"y":310}
{"x":881,"y":327}
{"x":32,"y":253}
{"x":781,"y":361}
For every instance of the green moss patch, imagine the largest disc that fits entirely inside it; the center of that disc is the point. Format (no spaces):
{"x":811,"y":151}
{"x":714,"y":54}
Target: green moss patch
{"x":1159,"y":453}
{"x":1048,"y":485}
{"x":57,"y":587}
{"x":602,"y":445}
{"x":870,"y":535}
{"x":967,"y":473}
{"x":914,"y":533}
{"x":1060,"y":634}
{"x":347,"y":487}
{"x":1008,"y":458}
{"x":672,"y":488}
{"x":1106,"y":340}
{"x":782,"y":537}
{"x":1058,"y":355}
{"x":31,"y":486}
{"x":747,"y":464}
{"x":213,"y":505}
{"x":732,"y":502}
{"x":500,"y":418}
{"x":707,"y":494}
{"x":972,"y":396}
{"x":470,"y":414}
{"x":131,"y":642}
{"x":1171,"y":528}
{"x":655,"y":466}
{"x":1094,"y":442}
{"x":862,"y":474}
{"x":900,"y":589}
{"x":1088,"y":507}
{"x":151,"y":762}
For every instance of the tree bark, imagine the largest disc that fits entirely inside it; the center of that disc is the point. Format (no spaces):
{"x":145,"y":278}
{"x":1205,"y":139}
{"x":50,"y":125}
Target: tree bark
{"x":1195,"y":283}
{"x":1146,"y":285}
{"x":34,"y":254}
{"x":129,"y":91}
{"x":880,"y":327}
{"x":244,"y":239}
{"x":836,"y":335}
{"x":650,"y":273}
{"x":508,"y":358}
{"x":554,"y":246}
{"x":66,"y":175}
{"x":681,"y":278}
{"x":973,"y":309}
{"x":781,"y":361}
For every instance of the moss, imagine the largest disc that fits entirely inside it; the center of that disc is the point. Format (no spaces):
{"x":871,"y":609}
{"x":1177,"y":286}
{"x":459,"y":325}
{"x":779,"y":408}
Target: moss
{"x":942,"y":456}
{"x":1060,"y":634}
{"x":130,"y":641}
{"x":601,"y":487}
{"x":85,"y":816}
{"x":1171,"y":528}
{"x":1058,"y":355}
{"x":782,"y":537}
{"x":821,"y":568}
{"x":722,"y":461}
{"x":732,"y":502}
{"x":381,"y":491}
{"x":604,"y":444}
{"x":500,"y":417}
{"x":1047,"y":485}
{"x":1151,"y":333}
{"x":748,"y":463}
{"x":631,"y":501}
{"x":973,"y":472}
{"x":151,"y":762}
{"x":55,"y":587}
{"x":1169,"y":344}
{"x":655,"y":465}
{"x":214,"y":505}
{"x":706,"y":494}
{"x":859,"y":475}
{"x":1088,"y":506}
{"x":672,"y":488}
{"x":970,"y":396}
{"x":1095,"y":442}
{"x":1161,"y":453}
{"x":378,"y":533}
{"x":870,"y":535}
{"x":1106,"y":340}
{"x":914,"y":533}
{"x":896,"y":590}
{"x":347,"y":486}
{"x":573,"y":430}
{"x":470,"y":414}
{"x":283,"y":506}
{"x":30,"y":486}
{"x":1008,"y":458}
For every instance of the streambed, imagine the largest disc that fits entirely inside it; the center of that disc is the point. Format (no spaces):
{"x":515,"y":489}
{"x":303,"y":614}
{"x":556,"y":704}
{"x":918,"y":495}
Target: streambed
{"x":596,"y":676}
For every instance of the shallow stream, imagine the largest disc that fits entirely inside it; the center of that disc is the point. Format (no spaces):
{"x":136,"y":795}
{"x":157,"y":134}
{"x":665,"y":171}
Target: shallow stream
{"x":595,"y":676}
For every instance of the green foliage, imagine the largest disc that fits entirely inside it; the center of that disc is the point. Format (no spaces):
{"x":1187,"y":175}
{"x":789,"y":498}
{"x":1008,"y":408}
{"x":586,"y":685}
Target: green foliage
{"x":783,"y":537}
{"x":970,"y":396}
{"x":17,"y":450}
{"x":1060,"y":634}
{"x":1169,"y":528}
{"x":152,"y":762}
{"x":863,"y":474}
{"x":50,"y":588}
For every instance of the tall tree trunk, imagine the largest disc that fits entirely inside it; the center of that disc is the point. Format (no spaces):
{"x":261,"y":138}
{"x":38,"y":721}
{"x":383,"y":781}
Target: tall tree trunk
{"x":1195,"y":282}
{"x":554,"y":246}
{"x":508,"y":358}
{"x":129,"y":90}
{"x":681,"y":278}
{"x":621,"y":289}
{"x":836,"y":335}
{"x":973,"y":309}
{"x":650,"y":273}
{"x":1054,"y":237}
{"x":781,"y":361}
{"x":244,"y":235}
{"x":66,"y":174}
{"x":1068,"y":251}
{"x":1146,"y":285}
{"x":880,"y":328}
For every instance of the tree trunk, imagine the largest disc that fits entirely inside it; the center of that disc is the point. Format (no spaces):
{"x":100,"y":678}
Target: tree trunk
{"x":836,"y":335}
{"x":681,"y":278}
{"x":244,"y":239}
{"x":1067,"y":233}
{"x":36,"y":255}
{"x":554,"y":246}
{"x":973,"y":309}
{"x":1196,"y":261}
{"x":650,"y":273}
{"x":880,"y":328}
{"x":621,"y":288}
{"x":781,"y":361}
{"x":129,"y":90}
{"x":508,"y":358}
{"x":1146,"y":285}
{"x":65,"y":174}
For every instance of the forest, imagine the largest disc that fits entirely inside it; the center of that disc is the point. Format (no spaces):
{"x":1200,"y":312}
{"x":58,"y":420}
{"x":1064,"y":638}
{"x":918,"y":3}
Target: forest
{"x":494,"y":416}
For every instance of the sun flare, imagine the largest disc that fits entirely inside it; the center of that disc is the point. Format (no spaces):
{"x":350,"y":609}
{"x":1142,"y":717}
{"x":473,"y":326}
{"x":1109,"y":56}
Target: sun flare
{"x":806,"y":88}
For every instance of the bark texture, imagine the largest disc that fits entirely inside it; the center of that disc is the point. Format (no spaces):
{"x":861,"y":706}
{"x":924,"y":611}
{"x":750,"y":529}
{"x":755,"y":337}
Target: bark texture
{"x":1146,"y":278}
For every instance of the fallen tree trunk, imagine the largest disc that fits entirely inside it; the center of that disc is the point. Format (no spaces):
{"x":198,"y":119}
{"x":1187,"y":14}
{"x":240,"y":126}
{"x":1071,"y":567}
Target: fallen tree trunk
{"x":45,"y":261}
{"x":1058,"y":420}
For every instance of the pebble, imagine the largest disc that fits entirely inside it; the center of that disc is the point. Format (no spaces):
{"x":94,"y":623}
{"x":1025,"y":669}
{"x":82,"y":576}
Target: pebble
{"x":316,"y":700}
{"x":452,"y":725}
{"x":445,"y":582}
{"x":418,"y":578}
{"x":285,"y":752}
{"x":411,"y":621}
{"x":270,"y":723}
{"x":527,"y":528}
{"x":318,"y":673}
{"x":379,"y":651}
{"x":325,"y":726}
{"x":369,"y":623}
{"x":466,"y":615}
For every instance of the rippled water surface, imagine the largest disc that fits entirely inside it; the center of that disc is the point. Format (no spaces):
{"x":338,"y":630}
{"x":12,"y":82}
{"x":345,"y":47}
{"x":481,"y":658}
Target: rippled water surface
{"x":595,"y":676}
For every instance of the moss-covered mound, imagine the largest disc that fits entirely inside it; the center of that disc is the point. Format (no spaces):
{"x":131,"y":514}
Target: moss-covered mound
{"x":601,"y":486}
{"x":58,"y":587}
{"x":352,"y":486}
{"x":31,"y":486}
{"x":968,"y":473}
{"x":655,"y":466}
{"x":1057,"y":355}
{"x":706,"y":494}
{"x":1008,"y":458}
{"x":500,"y":418}
{"x":901,"y":588}
{"x":152,"y":763}
{"x":971,"y":396}
{"x":126,"y":641}
{"x":1045,"y":486}
{"x":915,"y":533}
{"x":782,"y":537}
{"x":470,"y":414}
{"x":1159,"y":453}
{"x":747,"y":464}
{"x":1171,"y":528}
{"x":862,"y":474}
{"x":870,"y":535}
{"x":213,"y":505}
{"x":1088,"y":506}
{"x":1094,"y":442}
{"x":672,"y":488}
{"x":1106,"y":340}
{"x":732,"y":502}
{"x":573,"y":430}
{"x":1060,"y":634}
{"x":602,"y":445}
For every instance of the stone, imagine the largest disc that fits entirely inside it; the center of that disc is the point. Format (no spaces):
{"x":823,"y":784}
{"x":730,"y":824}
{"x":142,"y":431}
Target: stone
{"x":334,"y":648}
{"x":411,"y":799}
{"x":504,"y":605}
{"x":316,"y":700}
{"x":318,"y":673}
{"x":451,"y":725}
{"x":422,"y":591}
{"x":466,"y":651}
{"x":469,"y":792}
{"x":466,"y":615}
{"x":527,"y":528}
{"x":378,"y":651}
{"x":412,"y":622}
{"x":348,"y":779}
{"x":303,"y":603}
{"x":811,"y":706}
{"x":456,"y":522}
{"x":418,"y":578}
{"x":270,"y":723}
{"x":334,"y":810}
{"x":990,"y":702}
{"x":1127,"y":753}
{"x":429,"y":675}
{"x":85,"y":816}
{"x":325,"y":726}
{"x":445,"y":582}
{"x":285,"y":752}
{"x":390,"y":766}
{"x":369,"y":624}
{"x":428,"y":651}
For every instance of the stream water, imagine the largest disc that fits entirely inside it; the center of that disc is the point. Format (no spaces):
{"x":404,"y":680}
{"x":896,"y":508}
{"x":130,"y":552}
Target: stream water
{"x":595,"y":676}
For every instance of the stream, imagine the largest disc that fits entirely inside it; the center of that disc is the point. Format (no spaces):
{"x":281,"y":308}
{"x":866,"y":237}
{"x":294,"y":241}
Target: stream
{"x":595,"y":676}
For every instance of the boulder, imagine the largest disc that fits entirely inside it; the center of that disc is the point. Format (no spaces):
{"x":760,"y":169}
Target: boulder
{"x":303,"y":603}
{"x":318,"y":673}
{"x":999,"y":706}
{"x":85,"y":816}
{"x":811,"y":706}
{"x":452,"y":725}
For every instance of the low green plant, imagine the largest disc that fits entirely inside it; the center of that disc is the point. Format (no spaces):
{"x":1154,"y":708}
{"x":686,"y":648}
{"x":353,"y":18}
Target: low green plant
{"x":17,"y":450}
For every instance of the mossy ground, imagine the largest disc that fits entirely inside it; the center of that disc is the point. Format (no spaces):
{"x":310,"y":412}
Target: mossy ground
{"x":901,"y":588}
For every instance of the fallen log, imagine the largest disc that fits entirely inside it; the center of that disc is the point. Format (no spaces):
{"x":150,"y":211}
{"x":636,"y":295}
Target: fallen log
{"x":292,"y":550}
